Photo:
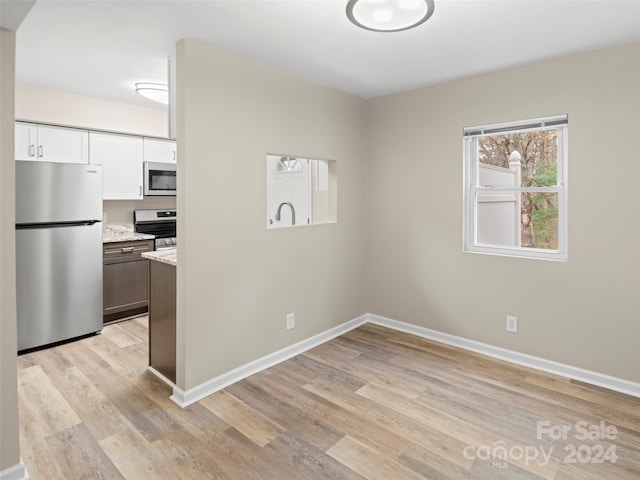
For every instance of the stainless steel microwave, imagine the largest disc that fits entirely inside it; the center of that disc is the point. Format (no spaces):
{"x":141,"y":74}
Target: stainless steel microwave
{"x":159,"y":178}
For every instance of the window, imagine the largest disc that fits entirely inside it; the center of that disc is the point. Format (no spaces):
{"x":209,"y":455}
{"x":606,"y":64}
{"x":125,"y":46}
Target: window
{"x":288,"y":165}
{"x":516,"y":188}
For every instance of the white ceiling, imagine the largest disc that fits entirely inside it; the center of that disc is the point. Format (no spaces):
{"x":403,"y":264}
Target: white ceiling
{"x":100,"y":48}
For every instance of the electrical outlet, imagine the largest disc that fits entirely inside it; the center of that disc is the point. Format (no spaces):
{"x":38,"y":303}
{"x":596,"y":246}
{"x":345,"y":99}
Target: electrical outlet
{"x":512,"y":324}
{"x":291,"y":320}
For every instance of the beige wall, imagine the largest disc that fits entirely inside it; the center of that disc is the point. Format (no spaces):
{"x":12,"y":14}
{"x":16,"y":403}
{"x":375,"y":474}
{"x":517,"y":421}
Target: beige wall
{"x":45,"y":105}
{"x":583,"y":313}
{"x":236,"y":280}
{"x":121,"y":211}
{"x":9,"y":446}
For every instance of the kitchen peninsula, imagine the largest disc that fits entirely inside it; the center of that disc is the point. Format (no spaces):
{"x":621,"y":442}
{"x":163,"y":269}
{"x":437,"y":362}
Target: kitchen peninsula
{"x":162,"y":311}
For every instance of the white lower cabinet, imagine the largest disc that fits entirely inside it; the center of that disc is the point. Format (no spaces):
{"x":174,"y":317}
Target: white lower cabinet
{"x":121,"y":159}
{"x":48,"y":143}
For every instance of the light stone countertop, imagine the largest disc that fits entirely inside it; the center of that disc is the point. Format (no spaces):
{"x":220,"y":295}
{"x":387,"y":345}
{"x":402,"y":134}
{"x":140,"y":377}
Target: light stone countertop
{"x":168,"y":256}
{"x":122,"y":233}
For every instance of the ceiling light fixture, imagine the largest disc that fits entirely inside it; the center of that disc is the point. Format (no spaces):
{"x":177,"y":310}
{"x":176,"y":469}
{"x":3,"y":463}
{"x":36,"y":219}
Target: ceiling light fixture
{"x":389,"y":15}
{"x":154,"y":91}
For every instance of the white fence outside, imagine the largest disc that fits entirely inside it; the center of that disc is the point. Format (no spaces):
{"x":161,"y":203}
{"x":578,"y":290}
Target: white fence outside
{"x":498,"y":213}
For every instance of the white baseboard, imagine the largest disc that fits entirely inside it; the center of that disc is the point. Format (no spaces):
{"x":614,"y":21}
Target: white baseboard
{"x":17,"y":472}
{"x":568,"y":371}
{"x":185,"y":398}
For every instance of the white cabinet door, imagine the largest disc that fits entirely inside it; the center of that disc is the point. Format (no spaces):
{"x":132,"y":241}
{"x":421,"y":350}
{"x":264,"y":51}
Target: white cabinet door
{"x":156,"y":150}
{"x":62,"y":144}
{"x":26,"y":141}
{"x":121,"y":160}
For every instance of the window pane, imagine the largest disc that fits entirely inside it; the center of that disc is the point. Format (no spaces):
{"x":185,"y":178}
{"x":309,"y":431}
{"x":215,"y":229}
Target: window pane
{"x":288,"y":165}
{"x":527,"y":220}
{"x":543,"y":232}
{"x":497,"y":219}
{"x":528,"y":157}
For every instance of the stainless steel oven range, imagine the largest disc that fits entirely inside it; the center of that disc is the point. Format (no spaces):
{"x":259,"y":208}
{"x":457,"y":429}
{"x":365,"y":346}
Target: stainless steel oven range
{"x":161,"y":223}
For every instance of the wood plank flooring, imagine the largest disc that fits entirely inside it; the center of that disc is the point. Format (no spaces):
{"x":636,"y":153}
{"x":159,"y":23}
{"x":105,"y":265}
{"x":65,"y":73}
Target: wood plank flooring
{"x":374,"y":404}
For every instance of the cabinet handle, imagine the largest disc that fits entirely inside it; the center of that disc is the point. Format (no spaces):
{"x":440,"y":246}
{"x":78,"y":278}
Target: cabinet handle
{"x":32,"y":150}
{"x":127,"y":249}
{"x":40,"y":151}
{"x":174,"y":155}
{"x":140,"y":190}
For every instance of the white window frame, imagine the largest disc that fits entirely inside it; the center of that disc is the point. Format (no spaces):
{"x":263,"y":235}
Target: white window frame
{"x":471,"y":187}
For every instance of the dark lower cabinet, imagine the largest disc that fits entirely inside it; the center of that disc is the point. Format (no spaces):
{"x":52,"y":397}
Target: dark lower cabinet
{"x":162,"y":319}
{"x":125,"y":279}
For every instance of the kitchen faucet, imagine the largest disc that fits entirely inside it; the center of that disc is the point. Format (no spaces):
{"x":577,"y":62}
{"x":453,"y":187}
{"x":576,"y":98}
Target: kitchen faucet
{"x":293,"y":212}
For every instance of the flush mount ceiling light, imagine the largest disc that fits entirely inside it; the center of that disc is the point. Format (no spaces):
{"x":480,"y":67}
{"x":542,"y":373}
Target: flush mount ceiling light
{"x":153,"y":91}
{"x":389,"y":15}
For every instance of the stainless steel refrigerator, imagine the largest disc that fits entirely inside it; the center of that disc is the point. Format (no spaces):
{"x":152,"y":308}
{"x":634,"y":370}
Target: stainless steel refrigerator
{"x":58,"y":251}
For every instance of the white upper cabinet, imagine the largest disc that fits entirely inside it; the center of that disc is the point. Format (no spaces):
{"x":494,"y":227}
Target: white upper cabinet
{"x":156,"y":150}
{"x":47,"y":143}
{"x":121,"y":159}
{"x":61,"y":144}
{"x":120,"y":155}
{"x":26,"y":141}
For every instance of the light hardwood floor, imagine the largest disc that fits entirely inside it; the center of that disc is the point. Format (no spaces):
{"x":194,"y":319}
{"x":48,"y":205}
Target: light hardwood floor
{"x":373,"y":403}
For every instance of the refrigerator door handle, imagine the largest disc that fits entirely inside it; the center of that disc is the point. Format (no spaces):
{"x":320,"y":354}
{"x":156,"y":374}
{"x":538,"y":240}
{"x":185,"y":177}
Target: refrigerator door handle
{"x":24,"y":226}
